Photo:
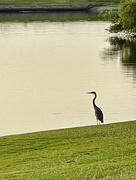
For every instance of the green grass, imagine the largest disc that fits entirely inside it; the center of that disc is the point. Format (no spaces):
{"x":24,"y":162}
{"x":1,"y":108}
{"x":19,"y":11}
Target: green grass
{"x":33,"y":2}
{"x":106,"y":152}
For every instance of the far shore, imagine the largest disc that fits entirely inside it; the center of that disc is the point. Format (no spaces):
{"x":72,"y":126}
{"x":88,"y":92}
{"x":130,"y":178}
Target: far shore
{"x":53,"y":8}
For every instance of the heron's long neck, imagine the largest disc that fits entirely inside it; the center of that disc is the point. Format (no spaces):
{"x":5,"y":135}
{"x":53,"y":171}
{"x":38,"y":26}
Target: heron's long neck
{"x":94,"y":101}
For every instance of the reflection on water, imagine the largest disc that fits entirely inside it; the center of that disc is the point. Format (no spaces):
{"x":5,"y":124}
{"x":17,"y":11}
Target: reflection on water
{"x":47,"y":68}
{"x":125,"y":50}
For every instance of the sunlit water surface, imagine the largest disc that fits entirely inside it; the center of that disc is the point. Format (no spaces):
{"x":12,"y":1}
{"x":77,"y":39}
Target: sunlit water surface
{"x":46,"y":70}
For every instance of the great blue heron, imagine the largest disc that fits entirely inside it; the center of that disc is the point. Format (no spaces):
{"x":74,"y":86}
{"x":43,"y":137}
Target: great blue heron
{"x":98,"y":111}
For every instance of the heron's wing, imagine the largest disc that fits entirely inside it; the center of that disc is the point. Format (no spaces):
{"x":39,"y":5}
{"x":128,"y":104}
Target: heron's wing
{"x":99,"y":114}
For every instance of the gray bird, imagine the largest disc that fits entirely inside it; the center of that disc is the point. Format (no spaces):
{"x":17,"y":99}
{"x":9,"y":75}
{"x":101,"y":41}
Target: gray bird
{"x":98,"y":111}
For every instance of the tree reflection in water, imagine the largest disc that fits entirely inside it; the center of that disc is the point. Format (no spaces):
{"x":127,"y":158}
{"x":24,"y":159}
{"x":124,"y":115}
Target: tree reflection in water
{"x":125,"y":49}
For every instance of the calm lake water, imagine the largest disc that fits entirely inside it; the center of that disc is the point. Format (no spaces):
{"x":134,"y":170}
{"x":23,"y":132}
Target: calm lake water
{"x":47,"y":68}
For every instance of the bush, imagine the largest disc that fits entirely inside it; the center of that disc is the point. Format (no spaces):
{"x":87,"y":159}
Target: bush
{"x":110,"y":16}
{"x":116,"y":27}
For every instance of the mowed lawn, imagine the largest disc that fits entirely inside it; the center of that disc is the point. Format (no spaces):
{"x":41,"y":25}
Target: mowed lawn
{"x":105,"y":152}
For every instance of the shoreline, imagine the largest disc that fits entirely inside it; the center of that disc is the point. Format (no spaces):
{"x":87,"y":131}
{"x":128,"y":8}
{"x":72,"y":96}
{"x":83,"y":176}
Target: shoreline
{"x":53,"y":8}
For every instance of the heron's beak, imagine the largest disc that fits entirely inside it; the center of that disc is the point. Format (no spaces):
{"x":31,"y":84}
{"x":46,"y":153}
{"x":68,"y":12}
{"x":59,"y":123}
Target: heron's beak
{"x":89,"y":93}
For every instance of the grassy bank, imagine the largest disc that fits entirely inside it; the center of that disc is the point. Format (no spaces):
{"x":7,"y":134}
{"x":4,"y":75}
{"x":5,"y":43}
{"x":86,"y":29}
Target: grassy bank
{"x":97,"y":152}
{"x":39,"y":2}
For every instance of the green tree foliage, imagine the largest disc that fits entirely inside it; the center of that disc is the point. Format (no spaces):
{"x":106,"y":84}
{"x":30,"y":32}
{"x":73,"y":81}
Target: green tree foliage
{"x":124,"y":19}
{"x":127,"y":15}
